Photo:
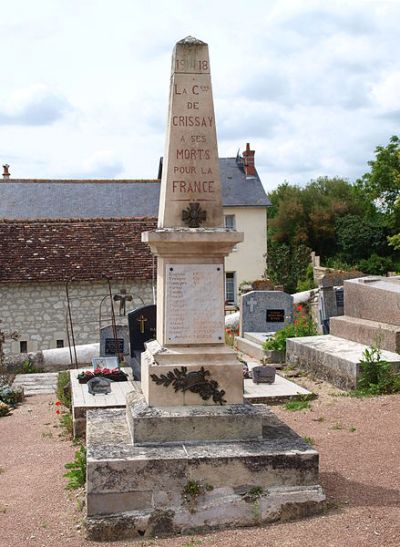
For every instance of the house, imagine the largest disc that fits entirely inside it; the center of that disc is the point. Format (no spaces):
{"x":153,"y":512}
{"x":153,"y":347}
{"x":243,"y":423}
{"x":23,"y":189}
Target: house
{"x":84,"y":237}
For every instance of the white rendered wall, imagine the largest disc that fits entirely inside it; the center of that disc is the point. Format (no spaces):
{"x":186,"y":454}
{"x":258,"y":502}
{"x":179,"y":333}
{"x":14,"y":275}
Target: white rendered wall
{"x":248,"y":261}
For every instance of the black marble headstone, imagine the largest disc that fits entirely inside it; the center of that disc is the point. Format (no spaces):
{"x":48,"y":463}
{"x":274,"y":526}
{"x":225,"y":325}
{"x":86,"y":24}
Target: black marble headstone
{"x":98,"y":384}
{"x":142,"y":327}
{"x":275,"y":316}
{"x":114,"y":346}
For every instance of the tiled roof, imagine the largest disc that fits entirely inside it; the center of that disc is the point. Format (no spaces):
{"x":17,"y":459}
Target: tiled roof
{"x":57,"y":250}
{"x":57,"y":199}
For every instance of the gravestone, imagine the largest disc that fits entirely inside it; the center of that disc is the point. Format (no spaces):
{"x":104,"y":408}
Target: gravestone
{"x":110,"y":345}
{"x":142,"y":327}
{"x":263,"y":375}
{"x":265,"y":311}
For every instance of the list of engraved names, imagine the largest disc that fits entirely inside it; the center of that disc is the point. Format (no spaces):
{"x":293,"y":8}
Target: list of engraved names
{"x":194,"y":303}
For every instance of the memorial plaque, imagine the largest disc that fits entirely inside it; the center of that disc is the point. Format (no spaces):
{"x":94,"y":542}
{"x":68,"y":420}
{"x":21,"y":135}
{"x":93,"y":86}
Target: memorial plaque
{"x":339,"y":298}
{"x":99,"y":385}
{"x":263,"y":375}
{"x":142,"y":327}
{"x":194,"y":303}
{"x":105,"y":362}
{"x":275,"y":316}
{"x":114,"y":346}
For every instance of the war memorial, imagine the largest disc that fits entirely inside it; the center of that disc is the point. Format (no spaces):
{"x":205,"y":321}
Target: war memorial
{"x":188,"y":454}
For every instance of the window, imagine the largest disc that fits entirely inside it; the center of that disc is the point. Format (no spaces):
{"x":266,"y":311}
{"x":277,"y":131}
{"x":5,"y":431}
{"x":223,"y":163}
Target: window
{"x":23,"y":346}
{"x":230,"y":221}
{"x":230,"y":292}
{"x":59,"y":343}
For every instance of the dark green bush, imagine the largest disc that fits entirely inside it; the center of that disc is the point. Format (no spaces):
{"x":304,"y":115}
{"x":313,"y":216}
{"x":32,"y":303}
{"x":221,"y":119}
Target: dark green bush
{"x":376,"y":375}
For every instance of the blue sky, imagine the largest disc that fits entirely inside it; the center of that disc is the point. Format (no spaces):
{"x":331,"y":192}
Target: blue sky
{"x":312,"y":85}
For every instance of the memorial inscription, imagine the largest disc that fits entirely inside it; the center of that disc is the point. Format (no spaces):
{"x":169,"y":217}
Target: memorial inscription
{"x":275,"y":316}
{"x":191,"y":170}
{"x":194,"y":316}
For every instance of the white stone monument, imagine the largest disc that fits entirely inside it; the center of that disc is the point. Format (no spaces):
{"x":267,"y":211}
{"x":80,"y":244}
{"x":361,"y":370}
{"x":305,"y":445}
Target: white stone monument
{"x":188,"y":454}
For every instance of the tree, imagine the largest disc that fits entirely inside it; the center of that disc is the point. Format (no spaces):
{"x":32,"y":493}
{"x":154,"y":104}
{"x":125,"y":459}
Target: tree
{"x":382,"y":183}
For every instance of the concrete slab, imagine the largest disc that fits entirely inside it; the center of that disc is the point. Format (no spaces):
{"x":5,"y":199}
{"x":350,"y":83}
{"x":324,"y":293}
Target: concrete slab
{"x":280,"y":391}
{"x":37,"y":383}
{"x":331,"y":358}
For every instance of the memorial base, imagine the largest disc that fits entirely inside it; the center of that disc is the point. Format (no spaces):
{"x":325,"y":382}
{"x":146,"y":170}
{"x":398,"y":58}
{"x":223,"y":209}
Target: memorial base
{"x":136,"y":491}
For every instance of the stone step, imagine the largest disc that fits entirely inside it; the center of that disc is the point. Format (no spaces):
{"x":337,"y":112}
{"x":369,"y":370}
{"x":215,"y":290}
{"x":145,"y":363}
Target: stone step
{"x":37,"y":383}
{"x":249,"y":348}
{"x":257,"y":337}
{"x":332,"y":358}
{"x":366,"y":331}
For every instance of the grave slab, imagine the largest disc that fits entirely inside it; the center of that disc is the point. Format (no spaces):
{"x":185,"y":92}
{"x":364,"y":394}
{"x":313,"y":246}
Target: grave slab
{"x":82,"y":400}
{"x":281,"y":391}
{"x":331,"y":358}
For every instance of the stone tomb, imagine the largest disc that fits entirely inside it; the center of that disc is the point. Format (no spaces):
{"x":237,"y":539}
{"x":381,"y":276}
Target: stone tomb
{"x":371,"y":317}
{"x":188,"y":453}
{"x":265,"y":311}
{"x":114,"y":345}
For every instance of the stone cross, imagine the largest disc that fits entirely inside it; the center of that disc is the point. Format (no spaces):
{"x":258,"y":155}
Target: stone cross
{"x":252,"y":303}
{"x":190,"y":183}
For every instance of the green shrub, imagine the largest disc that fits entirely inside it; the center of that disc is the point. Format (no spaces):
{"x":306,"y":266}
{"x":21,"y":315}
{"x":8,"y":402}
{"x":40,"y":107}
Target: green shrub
{"x":376,"y":265}
{"x":11,"y":395}
{"x":376,"y":375}
{"x":307,"y":283}
{"x":303,"y":325}
{"x":29,"y":368}
{"x":63,"y":390}
{"x":77,"y":470}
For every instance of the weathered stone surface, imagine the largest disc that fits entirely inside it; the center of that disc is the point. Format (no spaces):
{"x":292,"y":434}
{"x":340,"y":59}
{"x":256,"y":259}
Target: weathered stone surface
{"x":265,"y":311}
{"x":152,"y":425}
{"x":331,"y":358}
{"x":190,"y":171}
{"x":373,"y":298}
{"x":45,"y":322}
{"x":200,"y":486}
{"x":367,"y":332}
{"x":108,"y":346}
{"x":229,"y":378}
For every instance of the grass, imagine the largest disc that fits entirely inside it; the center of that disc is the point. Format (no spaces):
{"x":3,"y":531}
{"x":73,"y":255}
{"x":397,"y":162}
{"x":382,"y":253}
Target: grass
{"x":337,"y":426}
{"x":66,"y":423}
{"x":309,"y":440}
{"x":294,"y":406}
{"x":63,"y":390}
{"x":76,"y":474}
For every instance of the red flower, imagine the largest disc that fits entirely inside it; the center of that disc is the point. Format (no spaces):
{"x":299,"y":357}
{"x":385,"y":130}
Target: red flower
{"x":299,"y":307}
{"x":115,"y":370}
{"x":58,"y":411}
{"x":88,"y":373}
{"x":106,"y":371}
{"x":58,"y":403}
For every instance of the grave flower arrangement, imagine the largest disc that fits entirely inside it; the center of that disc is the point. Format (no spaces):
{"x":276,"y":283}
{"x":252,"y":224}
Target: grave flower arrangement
{"x":115,"y":374}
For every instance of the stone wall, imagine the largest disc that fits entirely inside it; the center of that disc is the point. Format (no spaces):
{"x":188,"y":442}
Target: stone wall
{"x":37,"y":311}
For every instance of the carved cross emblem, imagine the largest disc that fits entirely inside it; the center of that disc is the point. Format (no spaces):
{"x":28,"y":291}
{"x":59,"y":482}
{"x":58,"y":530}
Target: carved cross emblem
{"x":193,"y":215}
{"x":142,"y":320}
{"x":252,"y":302}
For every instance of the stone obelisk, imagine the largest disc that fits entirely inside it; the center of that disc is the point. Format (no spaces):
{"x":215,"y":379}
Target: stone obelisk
{"x":191,"y":243}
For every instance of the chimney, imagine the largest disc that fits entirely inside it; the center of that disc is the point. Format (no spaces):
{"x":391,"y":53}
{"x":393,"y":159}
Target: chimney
{"x":6,"y":173}
{"x":248,"y":156}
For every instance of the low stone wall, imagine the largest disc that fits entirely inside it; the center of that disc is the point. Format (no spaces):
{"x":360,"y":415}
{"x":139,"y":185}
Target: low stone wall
{"x":37,"y":311}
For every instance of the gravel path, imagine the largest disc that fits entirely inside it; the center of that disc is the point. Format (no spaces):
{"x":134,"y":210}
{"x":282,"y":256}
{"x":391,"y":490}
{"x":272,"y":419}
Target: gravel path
{"x":358,"y":441}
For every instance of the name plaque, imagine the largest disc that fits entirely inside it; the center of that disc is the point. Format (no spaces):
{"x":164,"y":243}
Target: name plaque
{"x":194,"y":303}
{"x":114,"y":346}
{"x":275,"y":316}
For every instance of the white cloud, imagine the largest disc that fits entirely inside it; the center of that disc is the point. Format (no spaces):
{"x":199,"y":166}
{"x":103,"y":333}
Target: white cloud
{"x":102,"y":164}
{"x":33,"y":105}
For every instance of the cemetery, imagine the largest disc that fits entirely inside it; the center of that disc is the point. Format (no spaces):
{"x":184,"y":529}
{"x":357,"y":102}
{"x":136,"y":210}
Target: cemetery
{"x":192,"y":421}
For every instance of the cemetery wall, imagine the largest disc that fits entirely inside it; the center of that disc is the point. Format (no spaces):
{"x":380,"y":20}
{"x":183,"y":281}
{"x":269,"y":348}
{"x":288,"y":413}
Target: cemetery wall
{"x":248,"y":260}
{"x":37,"y":311}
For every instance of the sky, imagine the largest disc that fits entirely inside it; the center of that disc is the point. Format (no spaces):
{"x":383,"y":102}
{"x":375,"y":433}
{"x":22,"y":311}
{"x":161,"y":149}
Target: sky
{"x":313,"y":86}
